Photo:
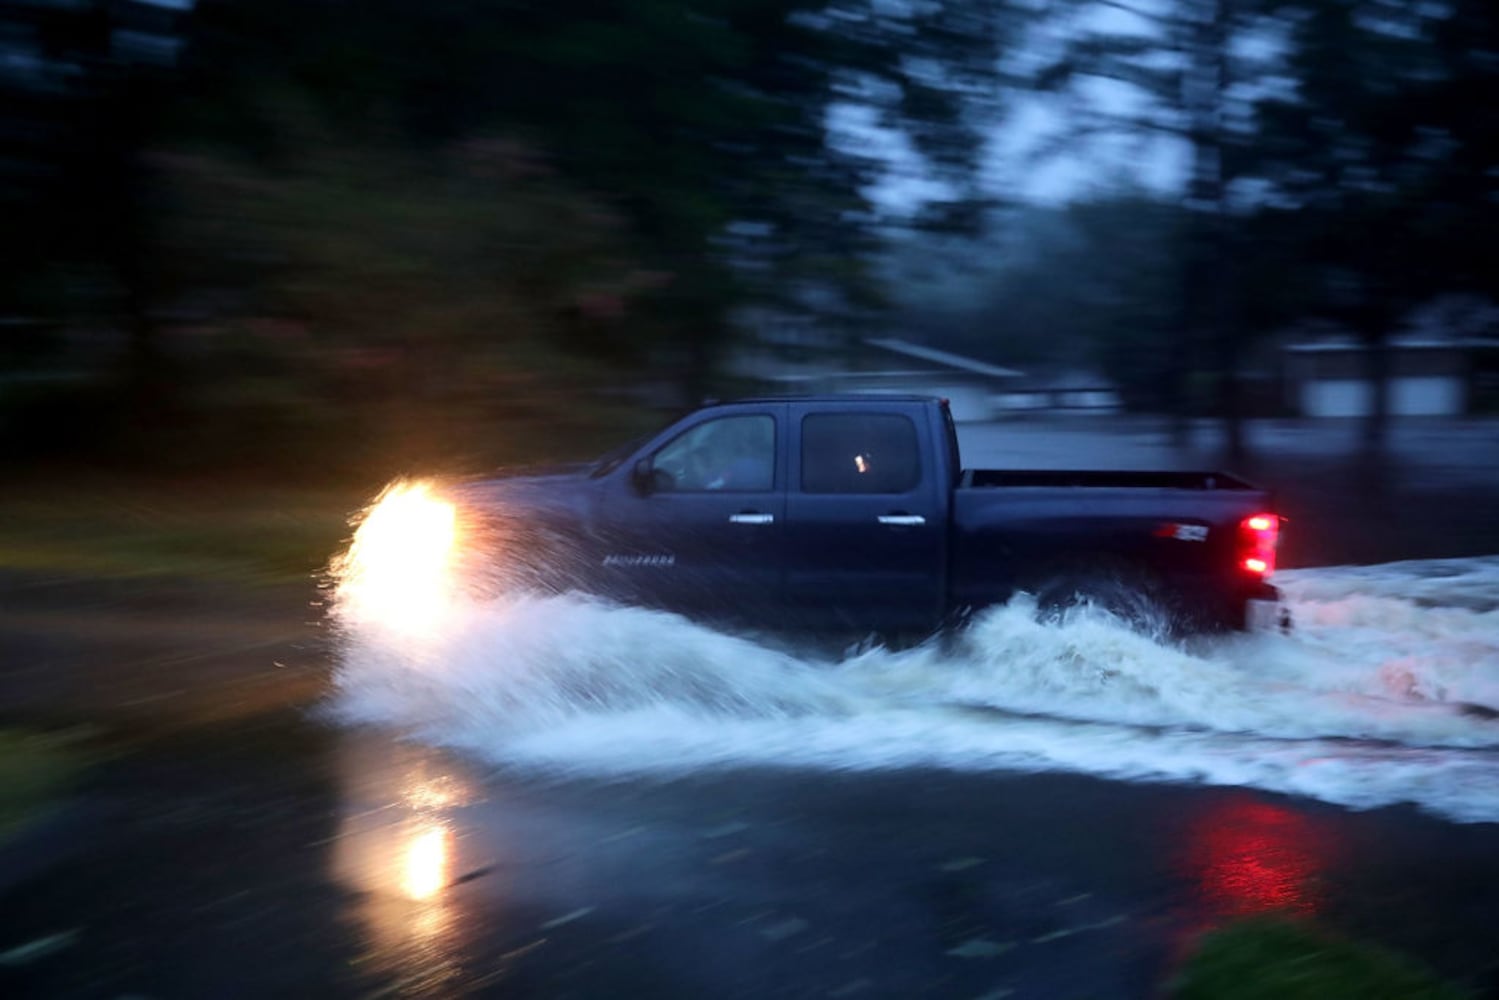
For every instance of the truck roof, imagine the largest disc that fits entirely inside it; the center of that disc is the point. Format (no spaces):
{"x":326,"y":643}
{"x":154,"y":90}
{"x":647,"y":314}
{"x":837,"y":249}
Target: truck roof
{"x":831,"y":397}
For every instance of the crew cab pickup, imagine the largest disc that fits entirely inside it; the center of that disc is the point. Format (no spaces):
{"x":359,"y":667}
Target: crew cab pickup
{"x":854,"y":513}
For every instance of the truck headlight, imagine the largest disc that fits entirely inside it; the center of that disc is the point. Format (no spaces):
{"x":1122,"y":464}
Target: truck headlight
{"x":398,"y":571}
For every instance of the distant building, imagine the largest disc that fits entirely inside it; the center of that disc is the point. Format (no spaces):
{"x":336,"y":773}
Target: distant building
{"x":813,"y":362}
{"x":1428,"y":376}
{"x":1078,"y":391}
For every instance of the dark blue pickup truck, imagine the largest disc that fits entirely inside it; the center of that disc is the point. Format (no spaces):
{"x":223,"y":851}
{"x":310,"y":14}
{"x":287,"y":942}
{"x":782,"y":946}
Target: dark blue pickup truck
{"x":854,"y":513}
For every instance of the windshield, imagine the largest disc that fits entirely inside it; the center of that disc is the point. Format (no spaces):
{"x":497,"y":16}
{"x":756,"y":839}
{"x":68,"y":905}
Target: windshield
{"x":610,"y":460}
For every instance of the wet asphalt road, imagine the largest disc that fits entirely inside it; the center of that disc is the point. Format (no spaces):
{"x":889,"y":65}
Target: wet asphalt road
{"x":281,"y":858}
{"x":231,"y":843}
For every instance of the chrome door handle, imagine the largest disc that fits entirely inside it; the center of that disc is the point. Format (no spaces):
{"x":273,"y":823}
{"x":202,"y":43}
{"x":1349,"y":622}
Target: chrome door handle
{"x":752,"y":519}
{"x":902,"y":520}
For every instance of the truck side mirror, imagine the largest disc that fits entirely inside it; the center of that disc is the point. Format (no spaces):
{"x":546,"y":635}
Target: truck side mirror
{"x":648,"y":479}
{"x":640,"y":476}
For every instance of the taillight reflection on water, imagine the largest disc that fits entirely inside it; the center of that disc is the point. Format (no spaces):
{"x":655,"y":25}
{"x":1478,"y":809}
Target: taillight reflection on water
{"x":398,"y":572}
{"x":1249,"y":857}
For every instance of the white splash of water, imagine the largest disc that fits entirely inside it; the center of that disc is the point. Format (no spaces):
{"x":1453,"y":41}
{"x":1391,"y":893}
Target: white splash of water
{"x":1366,"y":704}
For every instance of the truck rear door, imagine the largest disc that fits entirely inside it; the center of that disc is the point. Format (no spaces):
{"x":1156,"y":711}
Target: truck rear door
{"x":866,"y":517}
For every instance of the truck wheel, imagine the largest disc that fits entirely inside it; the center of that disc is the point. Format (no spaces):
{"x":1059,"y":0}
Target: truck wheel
{"x":1129,"y":594}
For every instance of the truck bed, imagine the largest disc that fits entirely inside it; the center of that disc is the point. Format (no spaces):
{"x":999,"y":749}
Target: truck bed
{"x":993,"y":478}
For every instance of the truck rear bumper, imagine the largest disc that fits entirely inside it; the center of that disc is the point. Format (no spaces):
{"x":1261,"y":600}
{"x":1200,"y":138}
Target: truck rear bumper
{"x":1266,"y":611}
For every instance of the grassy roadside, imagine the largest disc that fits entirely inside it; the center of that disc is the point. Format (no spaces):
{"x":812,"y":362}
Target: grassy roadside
{"x":1279,"y":959}
{"x":243,"y":522}
{"x":108,"y":531}
{"x":156,"y":606}
{"x":35,"y":770}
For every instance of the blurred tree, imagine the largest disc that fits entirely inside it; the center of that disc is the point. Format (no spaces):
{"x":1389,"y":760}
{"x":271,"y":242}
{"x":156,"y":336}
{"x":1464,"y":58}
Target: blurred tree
{"x":702,"y":124}
{"x":428,"y":292}
{"x":80,"y":83}
{"x":1087,"y":286}
{"x":1345,"y":145}
{"x":500,"y":187}
{"x":1461,"y":121}
{"x":1181,"y":56}
{"x":1387,"y":152}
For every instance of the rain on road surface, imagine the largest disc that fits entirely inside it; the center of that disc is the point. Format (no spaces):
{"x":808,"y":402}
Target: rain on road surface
{"x":550,"y":797}
{"x":707,"y":793}
{"x":632,"y":801}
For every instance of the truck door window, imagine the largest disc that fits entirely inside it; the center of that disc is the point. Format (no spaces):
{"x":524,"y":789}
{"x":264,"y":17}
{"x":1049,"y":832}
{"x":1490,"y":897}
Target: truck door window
{"x":859,"y":453}
{"x":726,"y":454}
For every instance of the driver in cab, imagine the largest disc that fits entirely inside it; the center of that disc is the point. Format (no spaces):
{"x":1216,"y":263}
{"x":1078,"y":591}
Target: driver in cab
{"x":741,"y":455}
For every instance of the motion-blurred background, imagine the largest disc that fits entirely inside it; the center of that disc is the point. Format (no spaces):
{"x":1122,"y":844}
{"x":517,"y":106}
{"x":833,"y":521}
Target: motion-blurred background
{"x":258,"y":257}
{"x":321,"y":239}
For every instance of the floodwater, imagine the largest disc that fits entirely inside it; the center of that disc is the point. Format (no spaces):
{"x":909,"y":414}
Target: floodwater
{"x":553,"y":797}
{"x":585,"y":799}
{"x":1385,"y":693}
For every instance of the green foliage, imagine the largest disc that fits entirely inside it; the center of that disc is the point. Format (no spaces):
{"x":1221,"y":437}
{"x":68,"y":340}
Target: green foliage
{"x":100,"y":529}
{"x":1346,"y":149}
{"x":1274,"y":959}
{"x":1342,"y":171}
{"x":682,"y":117}
{"x":34,"y":769}
{"x":1089,"y":286}
{"x":339,"y":218}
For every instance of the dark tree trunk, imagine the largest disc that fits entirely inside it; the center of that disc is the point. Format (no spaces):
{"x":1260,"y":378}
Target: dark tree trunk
{"x":1230,"y":400}
{"x":118,"y":104}
{"x":1376,"y":429}
{"x":1178,"y":369}
{"x":1219,"y":329}
{"x":1209,"y":330}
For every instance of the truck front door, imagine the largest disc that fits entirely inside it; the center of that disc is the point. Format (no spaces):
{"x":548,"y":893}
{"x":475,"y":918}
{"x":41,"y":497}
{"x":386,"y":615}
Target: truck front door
{"x":697,"y":524}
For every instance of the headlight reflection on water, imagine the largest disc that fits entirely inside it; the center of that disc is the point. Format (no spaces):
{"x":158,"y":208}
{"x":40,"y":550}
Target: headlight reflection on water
{"x":425,"y":865}
{"x":402,"y":852}
{"x":398,"y":573}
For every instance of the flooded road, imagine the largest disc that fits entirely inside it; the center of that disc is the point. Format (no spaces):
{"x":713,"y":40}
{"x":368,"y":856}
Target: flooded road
{"x":556,"y":797}
{"x":1386,"y":693}
{"x":292,"y":858}
{"x":552,"y":797}
{"x":771,"y":883}
{"x":1025,"y":808}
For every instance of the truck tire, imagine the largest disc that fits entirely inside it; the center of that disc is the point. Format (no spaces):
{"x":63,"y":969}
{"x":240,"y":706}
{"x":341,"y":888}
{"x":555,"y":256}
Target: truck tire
{"x":1129,"y":593}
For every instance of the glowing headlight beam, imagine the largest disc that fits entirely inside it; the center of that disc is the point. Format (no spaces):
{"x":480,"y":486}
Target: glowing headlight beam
{"x":399,"y":570}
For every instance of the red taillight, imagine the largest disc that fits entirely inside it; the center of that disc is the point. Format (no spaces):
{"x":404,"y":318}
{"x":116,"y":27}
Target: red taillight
{"x":1261,"y":534}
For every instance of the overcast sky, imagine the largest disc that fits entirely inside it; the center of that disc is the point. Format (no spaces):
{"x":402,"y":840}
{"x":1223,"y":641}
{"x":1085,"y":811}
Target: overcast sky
{"x":1014,"y":168}
{"x":1030,"y":155}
